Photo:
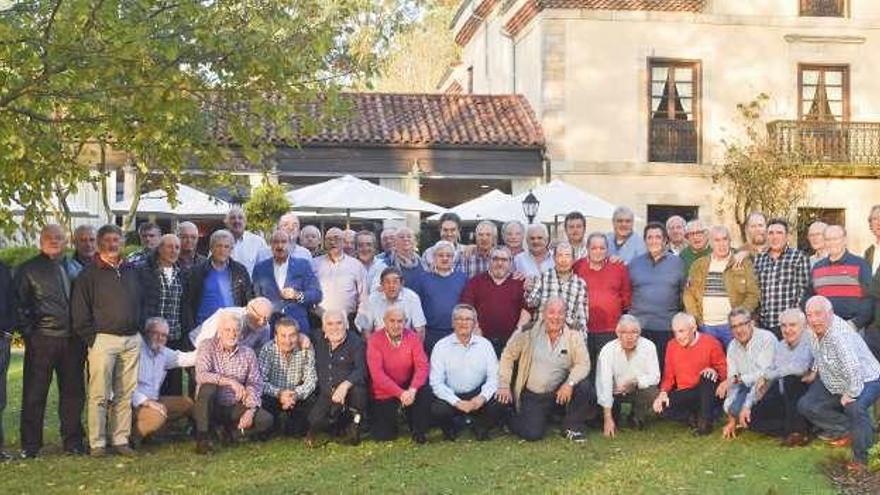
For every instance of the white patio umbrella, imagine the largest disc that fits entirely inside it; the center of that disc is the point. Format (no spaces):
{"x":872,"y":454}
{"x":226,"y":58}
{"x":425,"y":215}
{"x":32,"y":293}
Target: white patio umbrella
{"x":357,"y":215}
{"x":191,"y":203}
{"x":557,"y":199}
{"x":77,"y":209}
{"x":349,"y":194}
{"x":474,"y":210}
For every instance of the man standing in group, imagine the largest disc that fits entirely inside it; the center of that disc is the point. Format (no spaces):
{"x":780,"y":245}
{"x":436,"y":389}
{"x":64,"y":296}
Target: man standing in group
{"x":478,"y":261}
{"x":440,"y":290}
{"x":7,"y":320}
{"x":537,"y":259}
{"x":783,"y":274}
{"x":392,"y":293}
{"x":513,"y":233}
{"x":105,"y":313}
{"x":675,"y":229}
{"x":561,"y":282}
{"x":220,"y":282}
{"x":698,"y":244}
{"x":498,"y":300}
{"x":289,"y":223}
{"x":248,"y":248}
{"x":388,"y":241}
{"x":365,"y":252}
{"x":450,"y":231}
{"x":42,"y":295}
{"x":816,"y":238}
{"x":608,"y":290}
{"x":756,"y":230}
{"x":342,"y":278}
{"x":575,"y":233}
{"x":310,"y":237}
{"x":623,"y":243}
{"x":845,"y":279}
{"x":405,"y":257}
{"x":149,"y":234}
{"x":84,"y":248}
{"x":189,"y":257}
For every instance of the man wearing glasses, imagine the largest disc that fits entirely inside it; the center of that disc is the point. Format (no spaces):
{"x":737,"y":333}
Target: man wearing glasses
{"x":254,"y":320}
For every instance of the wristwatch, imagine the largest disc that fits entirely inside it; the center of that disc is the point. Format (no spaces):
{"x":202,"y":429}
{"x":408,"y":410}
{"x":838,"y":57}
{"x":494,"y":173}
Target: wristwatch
{"x":571,"y":384}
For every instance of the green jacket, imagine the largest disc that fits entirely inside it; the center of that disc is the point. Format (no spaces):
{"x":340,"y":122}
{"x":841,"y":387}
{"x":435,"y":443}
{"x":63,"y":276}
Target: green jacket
{"x":741,"y":284}
{"x":689,"y":255}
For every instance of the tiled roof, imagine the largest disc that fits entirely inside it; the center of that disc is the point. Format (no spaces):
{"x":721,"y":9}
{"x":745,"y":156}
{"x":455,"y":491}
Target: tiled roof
{"x":427,"y":120}
{"x":661,"y":5}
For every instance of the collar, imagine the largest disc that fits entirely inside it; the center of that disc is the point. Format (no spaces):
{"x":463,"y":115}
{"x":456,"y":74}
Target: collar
{"x":286,"y":261}
{"x":470,"y":342}
{"x":102,"y":263}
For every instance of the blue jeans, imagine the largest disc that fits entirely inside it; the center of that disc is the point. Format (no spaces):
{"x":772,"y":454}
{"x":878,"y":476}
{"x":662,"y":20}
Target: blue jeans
{"x":736,"y":399}
{"x":823,"y":409}
{"x":720,"y":332}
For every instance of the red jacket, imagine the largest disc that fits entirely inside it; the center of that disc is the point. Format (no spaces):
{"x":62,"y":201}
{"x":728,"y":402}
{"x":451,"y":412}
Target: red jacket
{"x":395,"y":369}
{"x":684,"y":364}
{"x":609,"y":292}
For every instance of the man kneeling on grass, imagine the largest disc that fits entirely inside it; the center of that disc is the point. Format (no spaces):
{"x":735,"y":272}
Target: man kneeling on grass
{"x":288,"y":373}
{"x":694,"y":374}
{"x":553,"y":365}
{"x":229,"y":386}
{"x":627,"y":371}
{"x":849,"y":382}
{"x":152,"y":411}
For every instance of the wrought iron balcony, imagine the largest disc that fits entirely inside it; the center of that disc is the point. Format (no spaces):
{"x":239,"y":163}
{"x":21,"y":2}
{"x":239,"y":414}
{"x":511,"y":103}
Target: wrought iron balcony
{"x":674,"y":141}
{"x":856,"y":143}
{"x":823,"y":8}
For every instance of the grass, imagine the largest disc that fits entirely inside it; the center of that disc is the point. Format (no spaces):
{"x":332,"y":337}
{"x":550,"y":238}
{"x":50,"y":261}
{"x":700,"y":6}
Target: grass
{"x":663,"y":459}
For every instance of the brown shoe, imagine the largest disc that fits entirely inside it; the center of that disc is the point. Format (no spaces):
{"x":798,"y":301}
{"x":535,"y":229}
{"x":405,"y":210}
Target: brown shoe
{"x":857,"y":468}
{"x":844,"y":441}
{"x":310,"y":440}
{"x":124,"y":451}
{"x":796,"y":440}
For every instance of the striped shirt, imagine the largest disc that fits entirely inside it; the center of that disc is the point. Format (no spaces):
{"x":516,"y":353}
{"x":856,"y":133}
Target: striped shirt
{"x":845,"y":282}
{"x":716,"y":303}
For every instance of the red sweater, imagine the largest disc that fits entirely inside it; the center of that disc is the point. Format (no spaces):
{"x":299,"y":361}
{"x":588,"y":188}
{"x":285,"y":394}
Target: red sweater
{"x":684,"y":364}
{"x":395,"y":369}
{"x":609,"y":292}
{"x":498,"y":306}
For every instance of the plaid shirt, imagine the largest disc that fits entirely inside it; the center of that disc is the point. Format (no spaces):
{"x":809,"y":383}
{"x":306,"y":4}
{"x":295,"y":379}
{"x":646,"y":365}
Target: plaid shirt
{"x":170,"y":297}
{"x":783,"y":282}
{"x":296,"y":371}
{"x":214,"y":364}
{"x":573,"y":291}
{"x":475,"y":264}
{"x":843,"y":360}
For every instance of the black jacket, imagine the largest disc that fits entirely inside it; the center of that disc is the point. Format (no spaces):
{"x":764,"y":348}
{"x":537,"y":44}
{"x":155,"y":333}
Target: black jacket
{"x":105,"y":300}
{"x":151,"y":287}
{"x":7,"y":300}
{"x":242,"y":289}
{"x":42,"y":301}
{"x":346,"y":362}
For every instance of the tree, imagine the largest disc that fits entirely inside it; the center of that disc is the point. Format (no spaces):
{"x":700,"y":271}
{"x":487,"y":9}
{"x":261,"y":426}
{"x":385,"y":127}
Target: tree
{"x":168,"y":86}
{"x":266,"y":204}
{"x":755,"y":174}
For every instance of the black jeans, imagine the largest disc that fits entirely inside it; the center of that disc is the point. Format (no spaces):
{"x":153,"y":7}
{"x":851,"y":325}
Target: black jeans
{"x":792,"y":391}
{"x":418,"y":415}
{"x":173,"y":384}
{"x":660,"y":338}
{"x":292,"y":421}
{"x":325,"y":412}
{"x":207,"y":412}
{"x":595,"y":343}
{"x":485,"y":417}
{"x":699,"y":400}
{"x":5,"y":344}
{"x":65,"y":358}
{"x":530,"y":419}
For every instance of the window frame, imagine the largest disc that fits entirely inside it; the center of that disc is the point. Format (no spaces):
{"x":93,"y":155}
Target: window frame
{"x":804,"y":9}
{"x":845,"y":85}
{"x":697,"y":99}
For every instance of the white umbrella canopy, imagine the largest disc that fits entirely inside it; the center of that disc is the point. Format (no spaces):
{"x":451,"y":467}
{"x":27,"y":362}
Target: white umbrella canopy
{"x":349,"y":194}
{"x":474,"y":210}
{"x":191,"y":203}
{"x":76,"y":208}
{"x":356,"y":215}
{"x":557,"y":199}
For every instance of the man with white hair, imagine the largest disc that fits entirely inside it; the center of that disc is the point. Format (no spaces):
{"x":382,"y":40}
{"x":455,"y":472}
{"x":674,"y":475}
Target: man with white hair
{"x":512,"y":233}
{"x":627,"y":371}
{"x":698,"y":246}
{"x":849,"y":382}
{"x":85,"y":242}
{"x":405,"y":257}
{"x":310,"y":238}
{"x":218,"y":283}
{"x":623,"y":243}
{"x":478,"y":260}
{"x":816,"y":238}
{"x":229,"y":386}
{"x":675,"y":229}
{"x":253,"y":318}
{"x":537,"y":259}
{"x":343,"y":278}
{"x":188,"y":233}
{"x":387,"y":241}
{"x":872,"y":256}
{"x":440,"y":290}
{"x":248,"y":248}
{"x":289,"y":223}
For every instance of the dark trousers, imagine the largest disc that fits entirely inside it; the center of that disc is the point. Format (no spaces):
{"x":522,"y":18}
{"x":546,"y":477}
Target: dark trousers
{"x":595,"y":343}
{"x":699,"y":400}
{"x":792,"y":391}
{"x":640,"y":400}
{"x":5,"y":343}
{"x":65,"y":358}
{"x":291,"y":421}
{"x":432,"y":336}
{"x":767,"y":414}
{"x":498,"y":344}
{"x":208,"y":412}
{"x":385,"y":415}
{"x":173,"y":384}
{"x":485,"y":418}
{"x":325,"y":412}
{"x":660,"y":338}
{"x":530,"y":419}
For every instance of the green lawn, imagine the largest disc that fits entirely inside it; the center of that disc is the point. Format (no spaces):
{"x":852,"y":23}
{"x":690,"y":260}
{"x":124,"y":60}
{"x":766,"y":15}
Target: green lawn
{"x":663,"y":459}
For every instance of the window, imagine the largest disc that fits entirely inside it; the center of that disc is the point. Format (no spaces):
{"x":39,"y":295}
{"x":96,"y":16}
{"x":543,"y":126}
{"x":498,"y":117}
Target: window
{"x":470,"y":80}
{"x":661,"y":213}
{"x":806,"y":216}
{"x":824,"y":93}
{"x":823,"y":8}
{"x":674,"y":131}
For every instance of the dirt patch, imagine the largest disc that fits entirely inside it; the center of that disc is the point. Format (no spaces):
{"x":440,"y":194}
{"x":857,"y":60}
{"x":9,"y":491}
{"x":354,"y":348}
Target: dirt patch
{"x":847,"y":482}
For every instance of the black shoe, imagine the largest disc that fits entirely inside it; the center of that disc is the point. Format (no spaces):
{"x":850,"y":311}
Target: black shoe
{"x":4,"y":457}
{"x":419,"y":438}
{"x":354,"y":430}
{"x":78,"y":450}
{"x":204,"y":446}
{"x":28,"y":454}
{"x":481,"y":434}
{"x":449,"y":433}
{"x":703,"y":428}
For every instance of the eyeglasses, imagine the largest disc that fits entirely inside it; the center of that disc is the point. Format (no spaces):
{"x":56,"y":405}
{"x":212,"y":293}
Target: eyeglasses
{"x":500,"y":258}
{"x":740,"y":324}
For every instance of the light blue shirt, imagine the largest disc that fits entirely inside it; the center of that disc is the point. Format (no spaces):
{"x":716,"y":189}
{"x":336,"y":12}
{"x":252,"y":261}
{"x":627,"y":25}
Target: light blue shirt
{"x":526,"y":264}
{"x":457,"y":368}
{"x":788,"y":360}
{"x":634,"y":246}
{"x":152,"y":368}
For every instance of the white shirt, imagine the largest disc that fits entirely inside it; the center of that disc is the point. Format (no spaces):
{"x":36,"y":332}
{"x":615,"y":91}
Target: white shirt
{"x":374,"y":273}
{"x":407,"y":300}
{"x":280,"y":272}
{"x":298,"y":251}
{"x":525,"y":263}
{"x":614,"y":368}
{"x":249,"y":250}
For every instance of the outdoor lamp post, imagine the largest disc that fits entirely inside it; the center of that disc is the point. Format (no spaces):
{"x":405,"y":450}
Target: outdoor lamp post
{"x":530,"y":206}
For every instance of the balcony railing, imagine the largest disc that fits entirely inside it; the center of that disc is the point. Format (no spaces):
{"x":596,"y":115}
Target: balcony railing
{"x":823,"y":8}
{"x":673,"y":141}
{"x":828,"y":142}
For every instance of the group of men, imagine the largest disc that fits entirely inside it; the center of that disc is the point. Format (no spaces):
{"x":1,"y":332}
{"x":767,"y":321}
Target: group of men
{"x":339,"y":332}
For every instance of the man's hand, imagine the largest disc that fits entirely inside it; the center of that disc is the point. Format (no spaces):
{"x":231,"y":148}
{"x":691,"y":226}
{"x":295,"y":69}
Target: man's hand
{"x":305,"y":342}
{"x":504,"y":396}
{"x":729,"y":431}
{"x":340,"y":393}
{"x":809,"y":377}
{"x":287,"y":398}
{"x":563,"y":395}
{"x":156,"y":406}
{"x":661,"y":402}
{"x":408,"y":397}
{"x":247,"y":419}
{"x":464,"y":406}
{"x":289,"y":293}
{"x":519,"y":276}
{"x":609,"y":429}
{"x":740,"y":258}
{"x":721,"y":390}
{"x":745,"y":417}
{"x":845,"y":400}
{"x":615,"y":260}
{"x":477,"y":402}
{"x":625,"y":387}
{"x":238,"y":389}
{"x":710,"y":374}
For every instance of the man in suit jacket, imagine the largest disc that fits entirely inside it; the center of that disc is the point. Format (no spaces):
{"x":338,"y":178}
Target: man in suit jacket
{"x":288,"y":282}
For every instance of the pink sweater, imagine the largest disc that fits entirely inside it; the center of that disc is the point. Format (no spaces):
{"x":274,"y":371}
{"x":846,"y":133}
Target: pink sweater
{"x":395,"y":369}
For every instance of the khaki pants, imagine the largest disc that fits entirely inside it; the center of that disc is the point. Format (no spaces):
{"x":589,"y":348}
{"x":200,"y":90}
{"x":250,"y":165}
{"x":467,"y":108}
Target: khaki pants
{"x":148,"y":420}
{"x":113,"y":368}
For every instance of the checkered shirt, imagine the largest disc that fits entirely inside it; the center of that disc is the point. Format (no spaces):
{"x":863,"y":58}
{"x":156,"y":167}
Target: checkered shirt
{"x":573,"y":291}
{"x":296,"y":371}
{"x":474,"y":264}
{"x":214,"y":363}
{"x":170,"y":296}
{"x":782,"y":281}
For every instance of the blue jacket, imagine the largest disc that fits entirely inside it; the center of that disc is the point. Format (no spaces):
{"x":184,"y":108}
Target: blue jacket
{"x":300,"y":277}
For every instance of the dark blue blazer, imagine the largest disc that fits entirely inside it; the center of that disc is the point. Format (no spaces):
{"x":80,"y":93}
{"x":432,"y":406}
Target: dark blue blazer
{"x":300,"y":277}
